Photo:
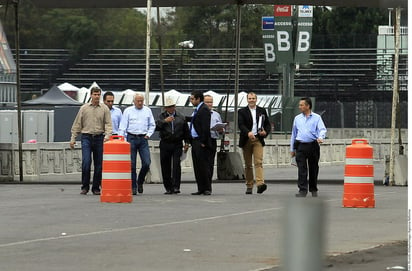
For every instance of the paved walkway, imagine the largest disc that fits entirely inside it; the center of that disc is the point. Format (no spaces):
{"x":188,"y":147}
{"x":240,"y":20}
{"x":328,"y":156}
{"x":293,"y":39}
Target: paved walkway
{"x":327,"y":174}
{"x":51,"y":227}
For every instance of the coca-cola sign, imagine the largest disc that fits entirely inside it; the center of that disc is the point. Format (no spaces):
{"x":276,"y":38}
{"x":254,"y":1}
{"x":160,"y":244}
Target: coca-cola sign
{"x":283,"y":10}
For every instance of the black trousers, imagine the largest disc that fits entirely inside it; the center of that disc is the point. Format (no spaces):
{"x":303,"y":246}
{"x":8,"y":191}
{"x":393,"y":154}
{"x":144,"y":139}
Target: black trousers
{"x":307,"y":158}
{"x":170,"y":163}
{"x":201,"y":166}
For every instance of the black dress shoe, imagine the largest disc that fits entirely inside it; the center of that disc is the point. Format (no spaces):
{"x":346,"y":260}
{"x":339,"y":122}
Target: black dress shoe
{"x":261,"y":188}
{"x":84,"y":192}
{"x":168,"y":192}
{"x":249,"y":191}
{"x":134,"y":191}
{"x":300,"y":195}
{"x":315,"y":194}
{"x":207,"y":193}
{"x":96,"y":192}
{"x":140,"y":189}
{"x":176,"y":191}
{"x":197,"y":193}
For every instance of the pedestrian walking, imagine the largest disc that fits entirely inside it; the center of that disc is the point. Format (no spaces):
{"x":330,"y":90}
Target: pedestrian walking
{"x":138,"y":125}
{"x":94,"y":123}
{"x":308,"y":131}
{"x":201,"y":143}
{"x":116,"y":113}
{"x":254,"y":127}
{"x":173,"y":131}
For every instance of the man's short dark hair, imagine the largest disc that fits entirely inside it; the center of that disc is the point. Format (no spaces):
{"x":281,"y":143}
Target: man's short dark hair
{"x":108,"y":93}
{"x":197,"y":94}
{"x":308,"y":101}
{"x":95,"y":89}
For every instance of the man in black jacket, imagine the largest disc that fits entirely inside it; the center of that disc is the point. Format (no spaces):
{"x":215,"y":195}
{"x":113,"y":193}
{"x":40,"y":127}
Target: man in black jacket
{"x":173,"y":130}
{"x":201,"y":143}
{"x":254,"y":126}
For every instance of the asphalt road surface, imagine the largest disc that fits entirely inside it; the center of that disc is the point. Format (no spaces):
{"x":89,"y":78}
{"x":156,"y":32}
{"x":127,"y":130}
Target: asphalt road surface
{"x":52,"y":227}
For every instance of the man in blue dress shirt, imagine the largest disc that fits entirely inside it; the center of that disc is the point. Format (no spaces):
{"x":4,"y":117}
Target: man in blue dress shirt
{"x":308,"y":131}
{"x":116,"y":113}
{"x":137,"y":125}
{"x":214,"y":134}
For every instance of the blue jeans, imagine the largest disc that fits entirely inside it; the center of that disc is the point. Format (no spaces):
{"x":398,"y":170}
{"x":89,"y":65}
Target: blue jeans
{"x":139,"y":144}
{"x":92,"y":144}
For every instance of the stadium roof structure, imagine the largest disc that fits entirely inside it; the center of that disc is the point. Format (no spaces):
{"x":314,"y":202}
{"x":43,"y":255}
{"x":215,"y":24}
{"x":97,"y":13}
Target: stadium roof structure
{"x":177,"y":3}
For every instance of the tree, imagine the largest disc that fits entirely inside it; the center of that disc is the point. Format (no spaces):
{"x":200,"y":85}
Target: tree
{"x":348,"y":27}
{"x":82,"y":30}
{"x":214,"y":26}
{"x":78,"y":30}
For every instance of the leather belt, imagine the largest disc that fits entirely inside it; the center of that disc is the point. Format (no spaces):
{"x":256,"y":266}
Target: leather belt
{"x":139,"y":135}
{"x":300,"y":142}
{"x":92,"y":135}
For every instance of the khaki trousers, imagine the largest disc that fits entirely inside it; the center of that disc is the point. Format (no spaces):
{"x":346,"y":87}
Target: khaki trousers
{"x":253,"y":148}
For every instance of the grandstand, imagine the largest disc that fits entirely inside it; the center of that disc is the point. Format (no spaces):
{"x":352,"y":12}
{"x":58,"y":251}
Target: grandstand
{"x":345,"y":71}
{"x":40,"y":67}
{"x":333,"y":77}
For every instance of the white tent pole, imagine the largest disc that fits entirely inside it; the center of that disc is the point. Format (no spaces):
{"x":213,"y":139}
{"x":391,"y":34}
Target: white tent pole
{"x":238,"y":22}
{"x":148,"y":35}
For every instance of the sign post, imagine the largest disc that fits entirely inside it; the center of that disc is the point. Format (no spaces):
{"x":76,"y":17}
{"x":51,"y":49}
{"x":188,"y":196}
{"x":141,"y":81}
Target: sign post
{"x":286,"y":40}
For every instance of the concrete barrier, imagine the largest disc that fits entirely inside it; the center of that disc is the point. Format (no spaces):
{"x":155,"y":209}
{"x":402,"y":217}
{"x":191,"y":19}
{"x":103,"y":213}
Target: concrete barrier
{"x":55,"y":162}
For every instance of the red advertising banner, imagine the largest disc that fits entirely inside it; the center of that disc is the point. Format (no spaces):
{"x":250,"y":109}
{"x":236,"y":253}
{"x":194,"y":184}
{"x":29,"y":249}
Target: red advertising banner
{"x":283,"y":10}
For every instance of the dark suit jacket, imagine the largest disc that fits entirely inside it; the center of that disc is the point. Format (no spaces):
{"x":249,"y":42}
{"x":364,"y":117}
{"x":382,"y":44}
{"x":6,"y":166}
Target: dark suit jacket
{"x":245,"y":124}
{"x":201,"y":123}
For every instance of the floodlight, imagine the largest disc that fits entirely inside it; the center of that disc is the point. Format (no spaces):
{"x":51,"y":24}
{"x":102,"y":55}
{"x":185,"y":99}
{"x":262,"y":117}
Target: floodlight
{"x":187,"y":44}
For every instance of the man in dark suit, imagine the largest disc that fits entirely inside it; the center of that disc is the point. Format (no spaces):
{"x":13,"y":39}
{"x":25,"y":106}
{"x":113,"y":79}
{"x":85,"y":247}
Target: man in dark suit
{"x":254,"y":126}
{"x":201,"y":143}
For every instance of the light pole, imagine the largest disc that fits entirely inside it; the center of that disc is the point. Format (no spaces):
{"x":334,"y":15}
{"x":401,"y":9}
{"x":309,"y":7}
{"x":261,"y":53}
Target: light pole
{"x":19,"y":121}
{"x":184,"y":44}
{"x":159,"y":33}
{"x":148,"y":36}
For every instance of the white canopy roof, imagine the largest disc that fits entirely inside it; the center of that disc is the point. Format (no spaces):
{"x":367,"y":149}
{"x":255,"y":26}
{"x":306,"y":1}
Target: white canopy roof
{"x":67,"y":87}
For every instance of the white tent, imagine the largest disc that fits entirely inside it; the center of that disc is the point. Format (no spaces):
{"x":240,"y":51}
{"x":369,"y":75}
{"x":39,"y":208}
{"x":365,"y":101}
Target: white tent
{"x":67,"y":87}
{"x":83,"y":95}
